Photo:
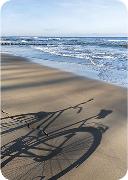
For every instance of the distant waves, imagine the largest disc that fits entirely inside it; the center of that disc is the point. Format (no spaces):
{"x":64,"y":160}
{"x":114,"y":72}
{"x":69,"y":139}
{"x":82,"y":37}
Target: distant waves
{"x":103,"y":58}
{"x":45,"y":41}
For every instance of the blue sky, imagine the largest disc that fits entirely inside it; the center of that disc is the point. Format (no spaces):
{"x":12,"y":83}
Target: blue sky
{"x":64,"y":18}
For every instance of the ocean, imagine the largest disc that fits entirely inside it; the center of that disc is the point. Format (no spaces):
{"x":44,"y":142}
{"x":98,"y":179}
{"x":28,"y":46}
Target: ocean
{"x":101,"y":58}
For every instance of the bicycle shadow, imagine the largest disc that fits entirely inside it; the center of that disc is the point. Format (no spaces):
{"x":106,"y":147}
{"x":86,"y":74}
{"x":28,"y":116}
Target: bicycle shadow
{"x":56,"y":154}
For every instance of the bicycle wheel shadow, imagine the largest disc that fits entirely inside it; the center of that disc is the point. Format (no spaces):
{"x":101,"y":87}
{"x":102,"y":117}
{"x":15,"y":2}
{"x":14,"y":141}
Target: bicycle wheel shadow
{"x":53,"y":155}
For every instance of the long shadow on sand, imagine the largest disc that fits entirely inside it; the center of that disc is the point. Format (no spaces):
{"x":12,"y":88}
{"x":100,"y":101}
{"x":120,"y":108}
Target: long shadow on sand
{"x":49,"y":157}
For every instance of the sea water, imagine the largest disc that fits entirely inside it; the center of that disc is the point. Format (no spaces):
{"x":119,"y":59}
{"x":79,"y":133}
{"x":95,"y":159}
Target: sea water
{"x":102,"y":58}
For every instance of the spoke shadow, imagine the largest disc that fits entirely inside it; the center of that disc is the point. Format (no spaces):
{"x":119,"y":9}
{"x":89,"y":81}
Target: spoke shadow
{"x":59,"y":152}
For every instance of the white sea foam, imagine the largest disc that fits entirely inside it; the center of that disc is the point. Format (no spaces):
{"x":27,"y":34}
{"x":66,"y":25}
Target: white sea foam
{"x":118,"y":40}
{"x":35,"y":37}
{"x":105,"y":62}
{"x":37,"y":47}
{"x":24,"y":41}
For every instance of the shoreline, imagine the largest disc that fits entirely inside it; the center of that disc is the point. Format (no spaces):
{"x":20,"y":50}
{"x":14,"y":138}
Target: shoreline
{"x":30,"y":90}
{"x":64,"y":70}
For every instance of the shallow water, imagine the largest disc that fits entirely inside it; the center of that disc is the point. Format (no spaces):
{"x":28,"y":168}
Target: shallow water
{"x":98,"y":58}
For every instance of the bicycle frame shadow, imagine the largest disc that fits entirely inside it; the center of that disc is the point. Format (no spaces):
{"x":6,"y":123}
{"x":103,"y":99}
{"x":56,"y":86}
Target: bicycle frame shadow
{"x":35,"y":140}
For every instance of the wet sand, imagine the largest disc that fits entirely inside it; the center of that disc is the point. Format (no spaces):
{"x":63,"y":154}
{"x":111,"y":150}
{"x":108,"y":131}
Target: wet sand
{"x":33,"y":94}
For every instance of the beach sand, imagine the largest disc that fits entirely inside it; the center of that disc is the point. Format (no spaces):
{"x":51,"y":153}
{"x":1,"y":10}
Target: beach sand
{"x":35,"y":93}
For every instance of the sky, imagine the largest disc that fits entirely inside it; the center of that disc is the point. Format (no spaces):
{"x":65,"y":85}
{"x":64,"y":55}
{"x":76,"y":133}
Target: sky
{"x":64,"y":18}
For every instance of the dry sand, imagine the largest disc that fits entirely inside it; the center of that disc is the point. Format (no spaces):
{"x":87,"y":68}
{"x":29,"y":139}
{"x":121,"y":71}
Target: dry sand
{"x":34,"y":93}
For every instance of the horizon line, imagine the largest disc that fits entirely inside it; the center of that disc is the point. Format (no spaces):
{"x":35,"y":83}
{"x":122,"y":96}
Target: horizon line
{"x":62,"y":36}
